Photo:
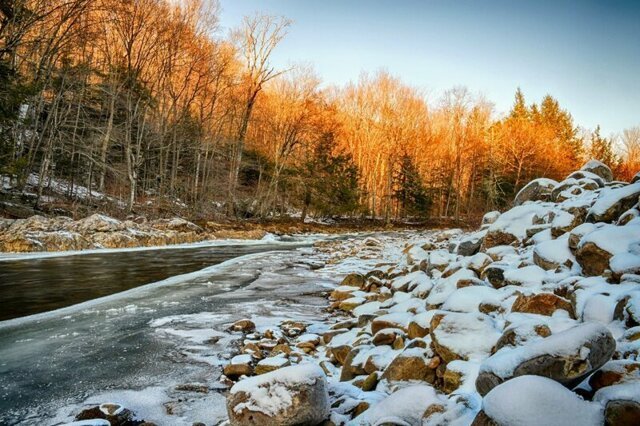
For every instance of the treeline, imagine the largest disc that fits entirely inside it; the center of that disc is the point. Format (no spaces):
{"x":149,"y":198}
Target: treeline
{"x":144,"y":100}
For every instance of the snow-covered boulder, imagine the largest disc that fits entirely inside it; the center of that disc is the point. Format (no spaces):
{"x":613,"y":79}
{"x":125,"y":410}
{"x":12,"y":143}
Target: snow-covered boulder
{"x":108,"y":413}
{"x":412,"y":364}
{"x":609,"y":247}
{"x":490,"y":218}
{"x":552,"y":254}
{"x":511,"y":226}
{"x":536,"y":190}
{"x":534,"y":401}
{"x":621,"y":402}
{"x":288,"y":396}
{"x":598,"y":168}
{"x":463,"y":336}
{"x":566,"y":357}
{"x":613,"y":202}
{"x":542,"y":304}
{"x":469,"y":245}
{"x":404,"y":407}
{"x":615,"y":372}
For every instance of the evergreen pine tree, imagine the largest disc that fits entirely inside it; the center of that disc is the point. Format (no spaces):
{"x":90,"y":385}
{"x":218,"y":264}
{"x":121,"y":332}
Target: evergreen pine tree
{"x":409,"y":189}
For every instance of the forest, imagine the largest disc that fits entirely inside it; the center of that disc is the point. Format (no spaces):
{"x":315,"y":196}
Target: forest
{"x":150,"y":102}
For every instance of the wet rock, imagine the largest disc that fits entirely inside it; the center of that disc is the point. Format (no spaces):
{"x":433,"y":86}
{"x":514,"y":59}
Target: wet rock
{"x":353,"y":280}
{"x":244,"y":325}
{"x":289,"y":396}
{"x":115,"y":414}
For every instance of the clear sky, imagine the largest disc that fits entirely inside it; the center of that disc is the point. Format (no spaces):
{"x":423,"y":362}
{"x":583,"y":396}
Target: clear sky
{"x":584,"y":53}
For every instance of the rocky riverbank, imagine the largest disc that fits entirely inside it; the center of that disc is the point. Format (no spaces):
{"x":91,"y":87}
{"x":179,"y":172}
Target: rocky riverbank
{"x":533,"y":319}
{"x":61,"y":233}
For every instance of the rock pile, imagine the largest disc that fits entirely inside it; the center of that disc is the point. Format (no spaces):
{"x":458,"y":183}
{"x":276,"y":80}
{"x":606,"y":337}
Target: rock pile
{"x":533,"y":319}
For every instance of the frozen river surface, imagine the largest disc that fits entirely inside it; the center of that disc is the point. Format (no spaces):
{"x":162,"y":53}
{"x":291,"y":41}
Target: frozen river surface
{"x":142,"y":342}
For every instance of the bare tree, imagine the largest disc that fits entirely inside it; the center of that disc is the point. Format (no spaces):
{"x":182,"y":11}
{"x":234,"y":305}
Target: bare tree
{"x":256,"y":40}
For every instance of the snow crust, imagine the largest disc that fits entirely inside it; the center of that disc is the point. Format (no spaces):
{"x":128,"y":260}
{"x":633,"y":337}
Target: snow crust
{"x":535,"y":400}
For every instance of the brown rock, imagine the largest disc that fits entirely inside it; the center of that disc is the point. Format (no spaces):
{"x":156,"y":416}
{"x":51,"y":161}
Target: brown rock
{"x":542,"y":304}
{"x":407,"y":366}
{"x":235,"y":371}
{"x":244,"y":325}
{"x":354,"y":280}
{"x":592,"y":346}
{"x":308,"y":403}
{"x":592,"y":259}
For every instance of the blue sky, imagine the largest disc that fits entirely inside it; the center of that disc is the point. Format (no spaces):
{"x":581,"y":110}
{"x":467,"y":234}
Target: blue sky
{"x":584,"y":53}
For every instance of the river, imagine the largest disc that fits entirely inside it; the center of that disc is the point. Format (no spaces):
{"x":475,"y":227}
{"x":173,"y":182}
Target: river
{"x":115,"y":309}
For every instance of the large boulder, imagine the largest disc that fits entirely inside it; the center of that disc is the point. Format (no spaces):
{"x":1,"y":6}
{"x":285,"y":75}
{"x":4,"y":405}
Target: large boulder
{"x":470,"y":244}
{"x":598,"y":168}
{"x":622,"y":404}
{"x":536,"y":190}
{"x":615,"y":372}
{"x":541,"y":304}
{"x":406,"y":406}
{"x":533,"y":401}
{"x":412,"y":364}
{"x":463,"y":336}
{"x":288,"y":396}
{"x":608,"y":247}
{"x":511,"y":226}
{"x":97,"y":223}
{"x":613,"y":202}
{"x":566,"y":357}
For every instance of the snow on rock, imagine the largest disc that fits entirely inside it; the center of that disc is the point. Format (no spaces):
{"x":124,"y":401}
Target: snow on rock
{"x":537,"y":189}
{"x":534,"y":401}
{"x":410,"y":281}
{"x":463,"y":336}
{"x":288,"y":396}
{"x":404,"y":407}
{"x":621,"y":402}
{"x":598,"y":168}
{"x":612,"y":202}
{"x":511,"y":226}
{"x":567,"y":357}
{"x":552,"y":254}
{"x":527,"y":276}
{"x":597,"y":248}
